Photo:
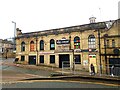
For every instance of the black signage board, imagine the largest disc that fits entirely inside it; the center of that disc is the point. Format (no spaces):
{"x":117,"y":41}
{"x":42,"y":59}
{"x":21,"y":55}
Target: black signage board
{"x":66,"y":41}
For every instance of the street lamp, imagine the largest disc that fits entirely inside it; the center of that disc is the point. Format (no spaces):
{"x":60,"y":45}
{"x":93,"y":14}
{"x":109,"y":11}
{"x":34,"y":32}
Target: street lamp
{"x":14,"y":33}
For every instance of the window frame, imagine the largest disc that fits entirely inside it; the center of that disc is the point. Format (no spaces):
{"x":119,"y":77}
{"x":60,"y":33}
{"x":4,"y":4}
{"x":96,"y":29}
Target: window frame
{"x":76,"y":42}
{"x":22,"y":58}
{"x":41,"y":44}
{"x":77,"y":61}
{"x":107,"y":44}
{"x":23,"y":46}
{"x":41,"y":59}
{"x":113,"y":43}
{"x":32,"y":46}
{"x":91,"y":42}
{"x":52,"y":42}
{"x":51,"y":59}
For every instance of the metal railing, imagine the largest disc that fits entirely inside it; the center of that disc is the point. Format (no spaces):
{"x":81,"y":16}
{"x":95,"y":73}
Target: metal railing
{"x":108,"y":70}
{"x":66,"y":66}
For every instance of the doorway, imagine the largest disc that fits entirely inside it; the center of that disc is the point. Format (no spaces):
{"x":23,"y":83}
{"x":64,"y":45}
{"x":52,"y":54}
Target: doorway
{"x":32,"y":60}
{"x":63,"y":57}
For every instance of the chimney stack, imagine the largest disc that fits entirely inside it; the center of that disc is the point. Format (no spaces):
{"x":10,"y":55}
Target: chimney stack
{"x":18,"y":31}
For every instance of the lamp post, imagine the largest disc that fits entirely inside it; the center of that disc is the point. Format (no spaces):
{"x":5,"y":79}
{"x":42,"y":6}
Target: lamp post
{"x":14,"y":34}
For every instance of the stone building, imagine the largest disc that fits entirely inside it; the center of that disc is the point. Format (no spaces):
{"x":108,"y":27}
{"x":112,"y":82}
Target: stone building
{"x":6,"y":49}
{"x":1,"y":50}
{"x":110,"y":48}
{"x":78,"y":45}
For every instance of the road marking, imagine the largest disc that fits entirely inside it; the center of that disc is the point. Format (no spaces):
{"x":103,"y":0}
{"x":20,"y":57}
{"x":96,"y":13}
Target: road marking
{"x":32,"y":81}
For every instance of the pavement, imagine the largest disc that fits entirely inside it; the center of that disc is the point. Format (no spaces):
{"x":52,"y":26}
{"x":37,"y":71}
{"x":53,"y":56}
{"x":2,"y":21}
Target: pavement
{"x":58,"y":73}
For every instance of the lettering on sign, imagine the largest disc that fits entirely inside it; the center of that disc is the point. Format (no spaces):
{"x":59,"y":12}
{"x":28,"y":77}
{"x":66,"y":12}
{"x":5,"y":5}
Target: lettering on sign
{"x":65,"y":41}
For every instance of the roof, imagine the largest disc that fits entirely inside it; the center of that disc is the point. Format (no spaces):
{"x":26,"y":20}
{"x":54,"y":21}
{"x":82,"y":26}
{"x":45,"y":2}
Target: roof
{"x":7,"y":42}
{"x":78,"y":28}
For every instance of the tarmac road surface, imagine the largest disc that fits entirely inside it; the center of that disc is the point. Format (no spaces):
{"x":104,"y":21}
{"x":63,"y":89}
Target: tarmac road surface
{"x":57,"y":84}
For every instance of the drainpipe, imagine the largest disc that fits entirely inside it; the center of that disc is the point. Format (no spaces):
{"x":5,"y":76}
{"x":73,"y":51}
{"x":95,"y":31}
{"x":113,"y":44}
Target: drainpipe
{"x":73,"y":68}
{"x":105,"y":53}
{"x":73,"y":62}
{"x":36,"y":51}
{"x":99,"y":51}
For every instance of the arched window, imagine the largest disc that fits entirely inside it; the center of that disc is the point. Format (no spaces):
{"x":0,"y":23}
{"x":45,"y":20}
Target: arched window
{"x":91,"y":41}
{"x":76,"y":42}
{"x":23,"y":46}
{"x":32,"y":46}
{"x":41,"y":45}
{"x":52,"y":44}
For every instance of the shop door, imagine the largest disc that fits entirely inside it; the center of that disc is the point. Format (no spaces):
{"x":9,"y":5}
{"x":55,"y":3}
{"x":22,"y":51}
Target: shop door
{"x":92,"y":60}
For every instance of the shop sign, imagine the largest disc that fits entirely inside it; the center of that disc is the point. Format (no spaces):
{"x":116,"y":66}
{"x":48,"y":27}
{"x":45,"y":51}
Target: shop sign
{"x":64,"y":41}
{"x":46,"y":52}
{"x":77,"y":50}
{"x":92,"y":56}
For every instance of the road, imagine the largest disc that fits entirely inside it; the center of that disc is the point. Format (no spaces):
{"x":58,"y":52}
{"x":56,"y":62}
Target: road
{"x":12,"y":77}
{"x":57,"y":84}
{"x":11,"y":72}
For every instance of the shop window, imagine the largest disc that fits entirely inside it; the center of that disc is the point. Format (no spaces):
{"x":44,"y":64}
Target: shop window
{"x":77,"y":43}
{"x":52,"y":44}
{"x":52,"y":58}
{"x":31,"y":46}
{"x":113,"y":43}
{"x":91,"y":42}
{"x":41,"y":45}
{"x":77,"y":59}
{"x":22,"y":58}
{"x":23,"y":46}
{"x":42,"y":59}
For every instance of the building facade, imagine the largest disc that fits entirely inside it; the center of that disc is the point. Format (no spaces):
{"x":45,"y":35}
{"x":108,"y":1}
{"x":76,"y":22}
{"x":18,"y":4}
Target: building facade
{"x":6,"y":49}
{"x":110,"y":49}
{"x":1,"y":50}
{"x":79,"y":45}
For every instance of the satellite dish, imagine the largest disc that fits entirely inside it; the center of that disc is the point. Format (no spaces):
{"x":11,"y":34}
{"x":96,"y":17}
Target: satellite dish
{"x":116,"y":51}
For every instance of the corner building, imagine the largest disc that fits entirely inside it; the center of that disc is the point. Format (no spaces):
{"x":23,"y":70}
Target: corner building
{"x":76,"y":44}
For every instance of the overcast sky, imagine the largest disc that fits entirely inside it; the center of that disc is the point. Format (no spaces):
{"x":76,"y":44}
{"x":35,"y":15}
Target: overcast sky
{"x":37,"y":15}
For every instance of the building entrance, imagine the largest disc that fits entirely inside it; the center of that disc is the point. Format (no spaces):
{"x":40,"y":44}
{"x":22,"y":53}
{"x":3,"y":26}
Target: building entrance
{"x":63,"y":57}
{"x":32,"y":60}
